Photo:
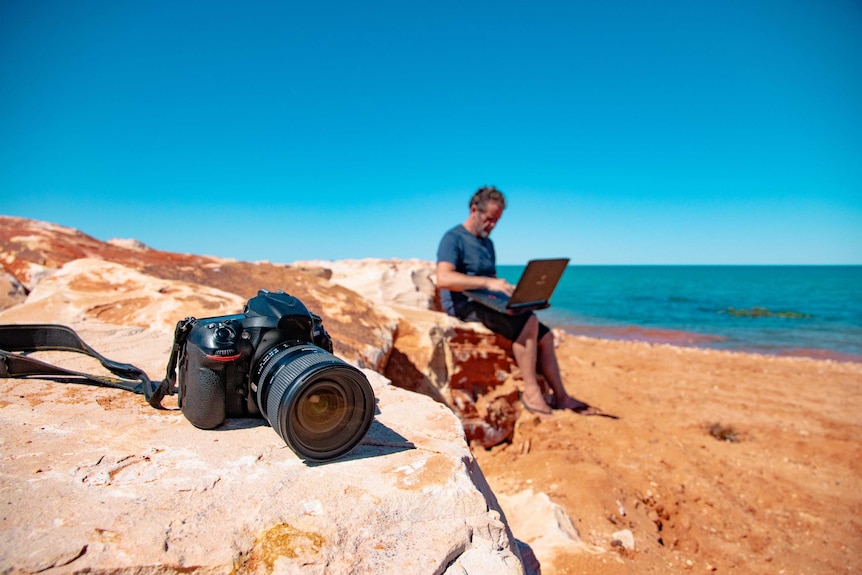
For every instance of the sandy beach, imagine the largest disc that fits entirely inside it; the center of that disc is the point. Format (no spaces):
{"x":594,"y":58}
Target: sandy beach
{"x":719,"y":462}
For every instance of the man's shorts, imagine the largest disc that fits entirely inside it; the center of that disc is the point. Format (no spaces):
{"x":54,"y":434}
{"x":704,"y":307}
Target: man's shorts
{"x":509,"y":326}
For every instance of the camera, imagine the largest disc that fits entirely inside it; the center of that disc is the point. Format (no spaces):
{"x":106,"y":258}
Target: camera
{"x":273,"y":361}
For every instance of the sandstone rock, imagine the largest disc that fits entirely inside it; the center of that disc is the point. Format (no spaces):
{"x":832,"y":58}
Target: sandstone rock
{"x":94,"y":290}
{"x":483,"y":387}
{"x":542,"y":524}
{"x":390,"y":282}
{"x":375,"y":310}
{"x":95,"y":480}
{"x":129,"y":243}
{"x":421,"y":359}
{"x":461,"y":364}
{"x":126,"y":298}
{"x":623,"y":538}
{"x":11,"y":291}
{"x":31,"y":250}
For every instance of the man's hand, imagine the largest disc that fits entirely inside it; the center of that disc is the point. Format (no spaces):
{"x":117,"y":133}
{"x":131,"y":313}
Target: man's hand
{"x":499,"y":284}
{"x":448,"y":278}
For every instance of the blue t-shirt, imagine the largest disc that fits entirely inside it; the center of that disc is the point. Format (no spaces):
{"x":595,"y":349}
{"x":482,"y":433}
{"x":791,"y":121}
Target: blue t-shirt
{"x":470,"y":255}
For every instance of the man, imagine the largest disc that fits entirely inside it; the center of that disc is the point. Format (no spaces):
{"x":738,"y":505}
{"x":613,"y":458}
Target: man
{"x":466,"y":260}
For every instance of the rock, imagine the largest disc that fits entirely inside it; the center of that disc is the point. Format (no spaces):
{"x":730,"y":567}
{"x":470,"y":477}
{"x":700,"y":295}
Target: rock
{"x":624,"y":539}
{"x":461,"y":364}
{"x":99,"y":481}
{"x":482,"y":385}
{"x":31,"y":251}
{"x":391,"y":282}
{"x":480,"y":381}
{"x":11,"y":291}
{"x":418,"y":361}
{"x":95,"y":480}
{"x":93,"y":290}
{"x":542,"y":524}
{"x":377,"y":311}
{"x":129,"y":243}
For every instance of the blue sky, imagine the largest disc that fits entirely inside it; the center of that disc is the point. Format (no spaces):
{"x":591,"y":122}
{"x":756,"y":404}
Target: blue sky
{"x":671,"y":132}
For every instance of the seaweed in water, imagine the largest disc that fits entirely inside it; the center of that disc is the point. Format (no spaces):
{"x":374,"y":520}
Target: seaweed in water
{"x":763,"y":312}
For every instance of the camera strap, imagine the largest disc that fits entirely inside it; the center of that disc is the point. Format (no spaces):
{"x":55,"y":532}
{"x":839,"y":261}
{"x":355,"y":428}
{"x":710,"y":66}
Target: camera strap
{"x":49,"y":337}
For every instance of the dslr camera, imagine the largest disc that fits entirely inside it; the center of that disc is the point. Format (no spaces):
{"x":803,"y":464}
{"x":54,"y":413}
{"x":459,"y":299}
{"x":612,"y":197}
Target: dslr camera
{"x":273,"y":361}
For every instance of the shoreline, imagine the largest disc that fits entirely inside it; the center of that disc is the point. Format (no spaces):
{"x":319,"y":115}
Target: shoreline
{"x":697,"y":340}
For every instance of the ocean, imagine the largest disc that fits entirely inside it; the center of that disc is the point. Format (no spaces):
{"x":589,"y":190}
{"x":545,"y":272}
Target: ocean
{"x":812,"y":311}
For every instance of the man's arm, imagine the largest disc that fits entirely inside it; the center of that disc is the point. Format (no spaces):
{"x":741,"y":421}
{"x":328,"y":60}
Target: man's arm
{"x":448,"y":278}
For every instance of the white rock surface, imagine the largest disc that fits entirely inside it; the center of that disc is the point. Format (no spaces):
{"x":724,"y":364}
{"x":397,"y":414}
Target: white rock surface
{"x":624,"y":538}
{"x":95,"y":480}
{"x":105,"y":292}
{"x":389,"y":282}
{"x":543,"y":525}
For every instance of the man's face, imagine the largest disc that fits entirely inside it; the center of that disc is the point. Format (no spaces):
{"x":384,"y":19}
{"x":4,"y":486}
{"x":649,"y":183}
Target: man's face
{"x":487,"y":218}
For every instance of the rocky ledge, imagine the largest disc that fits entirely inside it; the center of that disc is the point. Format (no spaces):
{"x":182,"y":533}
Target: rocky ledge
{"x":95,"y":480}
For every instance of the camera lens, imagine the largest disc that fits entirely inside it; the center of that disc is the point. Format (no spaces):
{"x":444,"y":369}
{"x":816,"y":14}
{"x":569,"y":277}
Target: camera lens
{"x":322,"y":409}
{"x":319,"y":405}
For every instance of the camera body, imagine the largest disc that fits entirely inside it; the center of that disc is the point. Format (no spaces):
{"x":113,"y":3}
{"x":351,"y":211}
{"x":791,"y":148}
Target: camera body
{"x":274,"y":361}
{"x":214,"y":378}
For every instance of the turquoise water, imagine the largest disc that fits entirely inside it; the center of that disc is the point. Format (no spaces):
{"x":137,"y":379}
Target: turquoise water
{"x":789,"y":310}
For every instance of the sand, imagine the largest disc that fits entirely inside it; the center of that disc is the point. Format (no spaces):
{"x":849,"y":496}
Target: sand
{"x":719,"y":462}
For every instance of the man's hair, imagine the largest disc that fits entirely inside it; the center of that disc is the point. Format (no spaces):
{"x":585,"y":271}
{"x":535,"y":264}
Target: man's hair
{"x":487,"y":194}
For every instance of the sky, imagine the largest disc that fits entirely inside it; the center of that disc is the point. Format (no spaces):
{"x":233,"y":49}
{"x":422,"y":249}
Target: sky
{"x":621,"y":132}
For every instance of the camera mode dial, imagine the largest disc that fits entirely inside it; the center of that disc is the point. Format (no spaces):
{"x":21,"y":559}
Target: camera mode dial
{"x":224,"y":340}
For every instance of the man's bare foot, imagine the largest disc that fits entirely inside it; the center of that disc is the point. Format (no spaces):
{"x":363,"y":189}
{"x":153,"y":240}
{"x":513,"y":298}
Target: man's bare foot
{"x":569,"y":402}
{"x":540,"y":409}
{"x":579,"y":407}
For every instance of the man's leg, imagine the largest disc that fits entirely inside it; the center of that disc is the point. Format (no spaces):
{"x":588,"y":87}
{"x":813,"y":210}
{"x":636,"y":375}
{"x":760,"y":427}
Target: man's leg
{"x":526,"y":352}
{"x":550,"y":369}
{"x":523,"y":332}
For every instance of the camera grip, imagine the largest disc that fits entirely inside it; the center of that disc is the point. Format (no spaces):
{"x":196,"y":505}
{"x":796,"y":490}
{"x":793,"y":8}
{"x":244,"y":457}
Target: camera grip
{"x":203,"y":401}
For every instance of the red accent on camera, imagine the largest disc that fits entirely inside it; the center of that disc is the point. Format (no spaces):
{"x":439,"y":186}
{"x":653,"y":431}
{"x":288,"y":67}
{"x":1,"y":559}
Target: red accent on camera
{"x":224,"y":357}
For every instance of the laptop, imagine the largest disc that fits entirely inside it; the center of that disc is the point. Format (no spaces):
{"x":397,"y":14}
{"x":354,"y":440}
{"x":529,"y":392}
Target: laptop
{"x":533,"y":291}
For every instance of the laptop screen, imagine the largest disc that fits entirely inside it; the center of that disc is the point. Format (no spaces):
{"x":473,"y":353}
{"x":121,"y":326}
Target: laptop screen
{"x":538,"y":281}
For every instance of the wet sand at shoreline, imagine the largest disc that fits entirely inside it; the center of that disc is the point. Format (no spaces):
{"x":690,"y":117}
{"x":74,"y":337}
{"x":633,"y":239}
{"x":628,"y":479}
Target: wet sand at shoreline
{"x":683,"y":338}
{"x":720,"y":462}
